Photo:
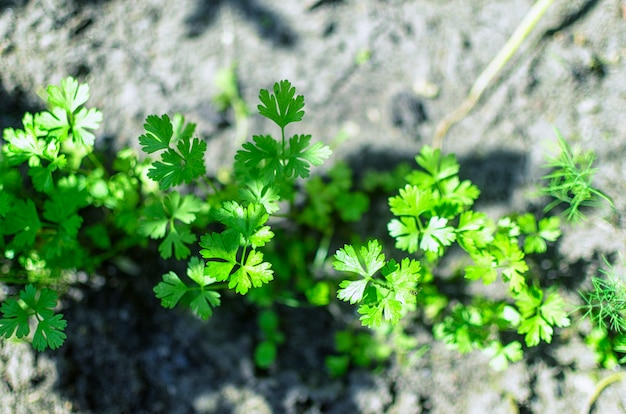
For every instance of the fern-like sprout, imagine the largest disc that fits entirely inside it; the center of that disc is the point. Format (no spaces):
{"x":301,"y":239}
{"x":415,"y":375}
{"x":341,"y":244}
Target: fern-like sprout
{"x":570,"y":180}
{"x":605,"y":305}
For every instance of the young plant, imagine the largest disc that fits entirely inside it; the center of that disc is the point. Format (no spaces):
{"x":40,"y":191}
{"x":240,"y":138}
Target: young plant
{"x":432,"y":213}
{"x":605,"y":305}
{"x":266,"y":171}
{"x":570,"y":181}
{"x":60,"y":209}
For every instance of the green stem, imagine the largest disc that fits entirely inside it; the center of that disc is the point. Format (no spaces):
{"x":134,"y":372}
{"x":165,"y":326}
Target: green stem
{"x":492,"y":70}
{"x":602,"y":385}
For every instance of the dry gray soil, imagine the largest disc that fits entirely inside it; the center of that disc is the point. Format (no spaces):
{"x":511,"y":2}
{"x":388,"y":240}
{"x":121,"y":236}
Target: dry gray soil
{"x":127,"y":355}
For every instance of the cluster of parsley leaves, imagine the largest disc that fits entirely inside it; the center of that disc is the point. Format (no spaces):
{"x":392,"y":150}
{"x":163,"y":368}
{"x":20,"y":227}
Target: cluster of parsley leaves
{"x":431,"y":213}
{"x":266,"y":171}
{"x":61,"y":210}
{"x":48,"y":229}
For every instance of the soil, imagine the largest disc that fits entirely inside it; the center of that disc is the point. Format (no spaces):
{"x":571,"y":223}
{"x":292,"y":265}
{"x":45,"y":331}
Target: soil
{"x":381,"y":73}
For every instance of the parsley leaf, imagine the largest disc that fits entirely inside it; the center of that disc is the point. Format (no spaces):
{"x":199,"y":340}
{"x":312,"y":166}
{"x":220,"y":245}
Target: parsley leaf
{"x":221,"y":250}
{"x":178,"y":165}
{"x":38,"y":306}
{"x":370,"y":260}
{"x":437,"y":168}
{"x":381,"y":300}
{"x":411,"y":201}
{"x":172,"y":216}
{"x":405,"y":232}
{"x":254,"y":272}
{"x":158,"y":134}
{"x":437,"y":235}
{"x":24,"y":223}
{"x":66,"y":114}
{"x":281,"y":106}
{"x":300,"y":155}
{"x":501,"y":354}
{"x":539,"y":315}
{"x":203,"y":298}
{"x":255,"y":192}
{"x":244,"y":220}
{"x":26,"y":144}
{"x":69,"y":95}
{"x":548,"y":229}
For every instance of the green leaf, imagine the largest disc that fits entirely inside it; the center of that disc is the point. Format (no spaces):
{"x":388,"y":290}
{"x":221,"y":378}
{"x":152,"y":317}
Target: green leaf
{"x":253,"y":273}
{"x":370,"y":261}
{"x":405,"y":232}
{"x":244,"y":220}
{"x":550,"y":228}
{"x":154,"y":221}
{"x":403,"y":280}
{"x":540,"y":316}
{"x":475,"y":231}
{"x":203,"y":303}
{"x":55,"y":124}
{"x":352,"y":206}
{"x":337,"y":365}
{"x":22,"y":145}
{"x":50,"y":333}
{"x":177,"y":166}
{"x":221,"y":251}
{"x":42,"y":178}
{"x":69,"y":95}
{"x":170,"y":290}
{"x":352,"y":290}
{"x":37,"y":306}
{"x":553,"y":310}
{"x":536,"y":328}
{"x":537,"y":235}
{"x":160,"y":219}
{"x":158,"y":134}
{"x":510,"y":260}
{"x":484,"y":267}
{"x":437,"y":235}
{"x":6,"y":204}
{"x":458,"y":193}
{"x":24,"y":223}
{"x":437,"y":168}
{"x":15,"y":319}
{"x":300,"y":156}
{"x":386,"y":309}
{"x":85,"y":121}
{"x":177,"y":240}
{"x":263,"y":156}
{"x":501,"y":355}
{"x":67,"y":115}
{"x":281,"y":106}
{"x":256,"y":192}
{"x":265,"y":354}
{"x":412,"y":201}
{"x":183,"y":209}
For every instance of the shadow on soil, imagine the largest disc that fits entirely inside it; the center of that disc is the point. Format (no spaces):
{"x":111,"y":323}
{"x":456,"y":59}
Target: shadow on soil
{"x":269,"y":25}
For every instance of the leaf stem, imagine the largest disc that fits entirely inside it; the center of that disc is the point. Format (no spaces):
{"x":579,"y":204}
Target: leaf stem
{"x":492,"y":70}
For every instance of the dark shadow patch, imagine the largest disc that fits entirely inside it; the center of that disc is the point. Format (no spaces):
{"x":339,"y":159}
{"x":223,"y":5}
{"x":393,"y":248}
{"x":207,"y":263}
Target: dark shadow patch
{"x":572,"y":18}
{"x":407,"y":112}
{"x":269,"y":25}
{"x":323,"y":3}
{"x":496,"y":174}
{"x":5,"y":4}
{"x":13,"y":105}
